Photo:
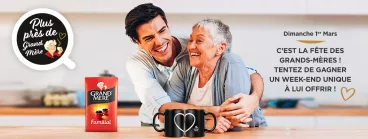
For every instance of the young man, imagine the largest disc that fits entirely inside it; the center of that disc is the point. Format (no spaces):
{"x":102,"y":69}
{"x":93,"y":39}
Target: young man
{"x":151,"y":67}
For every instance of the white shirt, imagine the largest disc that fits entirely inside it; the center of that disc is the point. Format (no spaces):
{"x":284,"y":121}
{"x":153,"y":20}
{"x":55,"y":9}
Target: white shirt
{"x":148,"y":78}
{"x":201,"y":96}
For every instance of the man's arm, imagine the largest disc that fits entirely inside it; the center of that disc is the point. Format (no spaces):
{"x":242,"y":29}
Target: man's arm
{"x":176,"y":105}
{"x":148,"y":90}
{"x":248,"y":102}
{"x":257,"y":86}
{"x":256,"y":80}
{"x":239,"y":107}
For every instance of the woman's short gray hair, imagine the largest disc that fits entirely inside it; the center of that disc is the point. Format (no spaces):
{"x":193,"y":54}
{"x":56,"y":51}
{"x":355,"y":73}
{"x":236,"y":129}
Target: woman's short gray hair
{"x":219,"y":31}
{"x":100,"y":83}
{"x":48,"y":43}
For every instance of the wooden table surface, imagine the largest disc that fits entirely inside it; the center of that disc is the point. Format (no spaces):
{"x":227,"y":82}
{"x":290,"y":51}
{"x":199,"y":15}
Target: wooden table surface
{"x":150,"y":133}
{"x":299,"y":111}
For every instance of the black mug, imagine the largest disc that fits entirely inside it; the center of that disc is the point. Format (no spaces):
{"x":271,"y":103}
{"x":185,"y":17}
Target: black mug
{"x":174,"y":123}
{"x":195,"y":123}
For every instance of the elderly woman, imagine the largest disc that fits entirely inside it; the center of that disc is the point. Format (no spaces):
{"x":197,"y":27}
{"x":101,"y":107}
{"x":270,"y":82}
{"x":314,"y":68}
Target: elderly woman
{"x":212,"y":74}
{"x":101,"y":85}
{"x":50,"y":47}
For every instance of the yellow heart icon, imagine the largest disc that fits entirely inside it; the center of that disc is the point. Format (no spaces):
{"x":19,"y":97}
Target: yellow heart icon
{"x":62,"y":35}
{"x":344,"y":91}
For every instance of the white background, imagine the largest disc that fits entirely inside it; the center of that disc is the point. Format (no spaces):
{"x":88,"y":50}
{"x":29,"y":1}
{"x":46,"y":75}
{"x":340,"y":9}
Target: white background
{"x":100,"y":38}
{"x":257,"y":28}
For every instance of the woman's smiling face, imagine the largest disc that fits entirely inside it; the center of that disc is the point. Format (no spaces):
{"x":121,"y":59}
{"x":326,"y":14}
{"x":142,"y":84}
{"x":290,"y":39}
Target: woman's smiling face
{"x":51,"y":48}
{"x":201,"y":47}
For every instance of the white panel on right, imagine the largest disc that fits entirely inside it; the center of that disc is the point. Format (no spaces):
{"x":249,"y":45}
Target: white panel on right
{"x":342,"y":121}
{"x":291,"y":121}
{"x":337,"y":7}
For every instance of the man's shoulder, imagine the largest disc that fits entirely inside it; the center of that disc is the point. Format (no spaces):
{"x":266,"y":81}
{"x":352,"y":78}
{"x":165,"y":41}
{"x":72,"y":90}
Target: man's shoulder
{"x":139,"y":54}
{"x":183,"y":65}
{"x":181,"y":38}
{"x":183,"y":45}
{"x":139,"y":59}
{"x":184,"y":60}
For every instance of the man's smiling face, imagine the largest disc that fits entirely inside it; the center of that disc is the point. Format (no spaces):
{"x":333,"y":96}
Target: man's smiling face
{"x":155,"y":38}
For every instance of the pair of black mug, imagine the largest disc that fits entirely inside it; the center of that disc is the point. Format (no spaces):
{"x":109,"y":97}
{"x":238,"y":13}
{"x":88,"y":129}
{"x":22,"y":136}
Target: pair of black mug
{"x":189,"y":123}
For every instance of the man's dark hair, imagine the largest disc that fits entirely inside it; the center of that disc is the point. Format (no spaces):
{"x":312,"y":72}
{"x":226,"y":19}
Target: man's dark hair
{"x":141,"y":14}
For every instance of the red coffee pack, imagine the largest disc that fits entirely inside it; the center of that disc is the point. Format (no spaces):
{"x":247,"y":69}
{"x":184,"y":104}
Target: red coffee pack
{"x":101,"y":104}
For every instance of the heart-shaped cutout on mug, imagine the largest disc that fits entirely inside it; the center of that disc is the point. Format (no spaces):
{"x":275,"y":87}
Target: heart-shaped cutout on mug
{"x":184,"y":115}
{"x":344,"y":92}
{"x":62,"y":35}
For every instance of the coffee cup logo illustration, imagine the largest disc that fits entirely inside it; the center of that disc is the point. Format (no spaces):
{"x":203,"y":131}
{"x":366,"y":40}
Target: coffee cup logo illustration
{"x":102,"y":114}
{"x":42,"y":39}
{"x":105,"y":111}
{"x":99,"y":115}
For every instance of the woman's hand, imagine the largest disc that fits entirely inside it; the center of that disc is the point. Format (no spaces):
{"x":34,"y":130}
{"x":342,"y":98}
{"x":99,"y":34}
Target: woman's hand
{"x":60,"y":50}
{"x":240,"y":123}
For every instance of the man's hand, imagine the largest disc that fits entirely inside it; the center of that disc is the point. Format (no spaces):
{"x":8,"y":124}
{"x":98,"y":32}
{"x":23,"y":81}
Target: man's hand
{"x":222,"y":125}
{"x":239,"y":107}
